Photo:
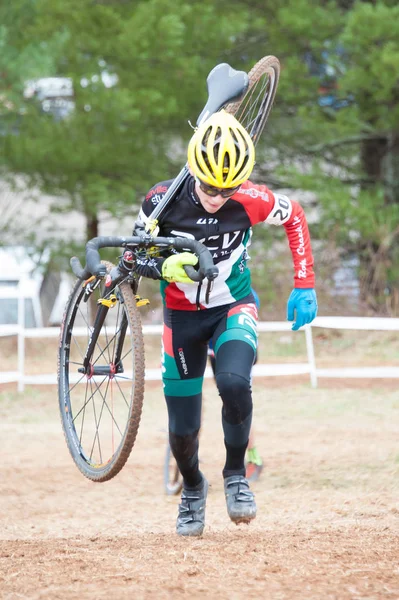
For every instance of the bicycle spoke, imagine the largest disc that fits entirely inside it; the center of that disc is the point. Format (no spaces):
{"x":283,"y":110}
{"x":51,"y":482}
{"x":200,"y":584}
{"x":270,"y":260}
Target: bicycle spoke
{"x":73,"y":362}
{"x":253,"y":110}
{"x":107,"y":344}
{"x":103,"y":350}
{"x":251,"y":104}
{"x":83,"y":417}
{"x":82,"y":314}
{"x":121,"y":377}
{"x":81,"y":379}
{"x":96,"y":436}
{"x":86,"y":402}
{"x":121,"y":391}
{"x":127,"y":354}
{"x":78,"y":348}
{"x":114,"y":338}
{"x":98,"y":424}
{"x":110,"y":412}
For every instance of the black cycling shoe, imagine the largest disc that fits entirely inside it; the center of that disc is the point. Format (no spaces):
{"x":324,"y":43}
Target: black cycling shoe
{"x":240,"y":500}
{"x":191,"y":517}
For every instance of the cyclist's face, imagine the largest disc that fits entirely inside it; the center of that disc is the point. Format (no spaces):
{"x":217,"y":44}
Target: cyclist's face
{"x":211,"y":203}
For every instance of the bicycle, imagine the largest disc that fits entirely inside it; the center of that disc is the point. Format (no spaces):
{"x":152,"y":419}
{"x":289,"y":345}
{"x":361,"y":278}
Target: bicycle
{"x":101,"y":380}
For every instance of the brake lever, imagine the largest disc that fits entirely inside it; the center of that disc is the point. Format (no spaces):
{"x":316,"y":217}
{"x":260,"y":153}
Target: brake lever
{"x":209,"y":288}
{"x":90,"y":285}
{"x":199,"y":277}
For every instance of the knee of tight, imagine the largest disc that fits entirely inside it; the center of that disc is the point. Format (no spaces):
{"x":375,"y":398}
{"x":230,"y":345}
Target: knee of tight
{"x":235,"y":392}
{"x":184,"y":446}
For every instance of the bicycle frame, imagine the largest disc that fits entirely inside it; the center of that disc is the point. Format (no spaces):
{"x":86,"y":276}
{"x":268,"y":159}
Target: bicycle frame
{"x":95,"y":271}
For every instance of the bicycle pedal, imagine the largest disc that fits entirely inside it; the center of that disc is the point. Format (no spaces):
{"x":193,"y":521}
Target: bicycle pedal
{"x":110,"y":302}
{"x":141,"y":301}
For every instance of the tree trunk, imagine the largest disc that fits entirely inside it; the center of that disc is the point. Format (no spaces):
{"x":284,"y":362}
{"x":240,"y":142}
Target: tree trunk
{"x":380,"y":160}
{"x":91,"y":226}
{"x":92,"y":232}
{"x":373,"y":152}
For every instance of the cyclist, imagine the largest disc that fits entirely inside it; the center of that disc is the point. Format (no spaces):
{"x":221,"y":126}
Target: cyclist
{"x":218,"y":205}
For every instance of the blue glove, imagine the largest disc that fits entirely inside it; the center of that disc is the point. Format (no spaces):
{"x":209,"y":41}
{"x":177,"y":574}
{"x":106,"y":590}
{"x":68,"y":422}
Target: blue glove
{"x":304,"y":302}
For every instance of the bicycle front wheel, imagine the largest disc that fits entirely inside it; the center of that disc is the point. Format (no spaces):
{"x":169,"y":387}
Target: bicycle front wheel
{"x":253,"y":110}
{"x":101,"y":405}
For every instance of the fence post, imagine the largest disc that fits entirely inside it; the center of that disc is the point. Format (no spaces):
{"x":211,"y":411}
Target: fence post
{"x":21,"y":339}
{"x":311,"y":358}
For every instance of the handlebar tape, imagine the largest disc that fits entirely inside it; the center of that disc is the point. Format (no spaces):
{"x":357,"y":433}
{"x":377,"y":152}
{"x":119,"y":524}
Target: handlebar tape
{"x":95,"y":267}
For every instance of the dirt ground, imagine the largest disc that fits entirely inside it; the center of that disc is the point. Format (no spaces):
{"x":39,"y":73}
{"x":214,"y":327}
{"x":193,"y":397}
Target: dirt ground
{"x":328,"y":509}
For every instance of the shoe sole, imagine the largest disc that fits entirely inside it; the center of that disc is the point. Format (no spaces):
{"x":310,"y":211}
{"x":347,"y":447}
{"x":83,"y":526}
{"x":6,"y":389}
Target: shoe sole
{"x":240,"y":520}
{"x":191,"y":533}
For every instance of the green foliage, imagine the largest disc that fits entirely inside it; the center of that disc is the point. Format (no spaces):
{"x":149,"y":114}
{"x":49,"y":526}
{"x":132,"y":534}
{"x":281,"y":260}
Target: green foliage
{"x":371,"y":36}
{"x":115,"y":144}
{"x":348,"y":156}
{"x":121,"y":138}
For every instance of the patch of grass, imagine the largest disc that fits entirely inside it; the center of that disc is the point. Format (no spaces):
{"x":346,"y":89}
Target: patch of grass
{"x":303,"y":401}
{"x":32,"y":406}
{"x":355,"y":348}
{"x":333,"y":349}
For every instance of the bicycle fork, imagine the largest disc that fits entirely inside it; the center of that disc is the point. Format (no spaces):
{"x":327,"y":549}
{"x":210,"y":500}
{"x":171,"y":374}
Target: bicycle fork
{"x":116,"y":365}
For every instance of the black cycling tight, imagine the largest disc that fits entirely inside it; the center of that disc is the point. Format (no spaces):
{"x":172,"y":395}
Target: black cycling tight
{"x":232,"y":331}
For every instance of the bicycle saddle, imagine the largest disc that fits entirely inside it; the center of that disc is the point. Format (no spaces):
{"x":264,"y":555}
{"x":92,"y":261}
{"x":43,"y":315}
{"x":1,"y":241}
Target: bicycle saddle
{"x":225,"y":84}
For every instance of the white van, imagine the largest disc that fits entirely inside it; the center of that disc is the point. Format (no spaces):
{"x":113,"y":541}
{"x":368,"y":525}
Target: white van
{"x":22,"y":277}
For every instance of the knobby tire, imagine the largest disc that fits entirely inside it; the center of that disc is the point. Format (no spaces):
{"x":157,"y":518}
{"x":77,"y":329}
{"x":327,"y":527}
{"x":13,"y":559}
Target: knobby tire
{"x":253,"y":110}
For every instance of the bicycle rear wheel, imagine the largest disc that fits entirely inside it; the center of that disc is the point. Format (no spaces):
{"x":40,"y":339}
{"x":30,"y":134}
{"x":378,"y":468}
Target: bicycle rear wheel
{"x":101,"y":410}
{"x":253,"y":109}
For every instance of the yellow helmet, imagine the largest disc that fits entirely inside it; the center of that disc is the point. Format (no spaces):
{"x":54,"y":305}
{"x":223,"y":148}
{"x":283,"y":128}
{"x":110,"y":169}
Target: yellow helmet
{"x":221,"y":152}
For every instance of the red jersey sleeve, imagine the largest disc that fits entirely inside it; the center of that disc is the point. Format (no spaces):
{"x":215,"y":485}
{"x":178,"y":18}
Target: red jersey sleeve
{"x":299,"y":240}
{"x":262,"y":205}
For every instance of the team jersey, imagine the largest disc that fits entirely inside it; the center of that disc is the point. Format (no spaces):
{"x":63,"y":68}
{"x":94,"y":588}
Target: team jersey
{"x":227,"y":234}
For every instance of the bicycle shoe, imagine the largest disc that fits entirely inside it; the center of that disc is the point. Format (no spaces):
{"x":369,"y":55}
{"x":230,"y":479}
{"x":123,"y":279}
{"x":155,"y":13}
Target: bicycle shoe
{"x":191,"y":517}
{"x":240,"y":500}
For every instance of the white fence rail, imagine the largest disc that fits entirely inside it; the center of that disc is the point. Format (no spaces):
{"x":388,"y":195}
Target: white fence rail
{"x":259,"y":370}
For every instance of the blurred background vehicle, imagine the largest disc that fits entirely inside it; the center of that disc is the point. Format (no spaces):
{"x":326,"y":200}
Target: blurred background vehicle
{"x":23,"y":274}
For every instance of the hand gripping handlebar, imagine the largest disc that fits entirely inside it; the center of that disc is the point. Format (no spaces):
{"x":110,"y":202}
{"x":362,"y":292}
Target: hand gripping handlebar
{"x":93,"y":266}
